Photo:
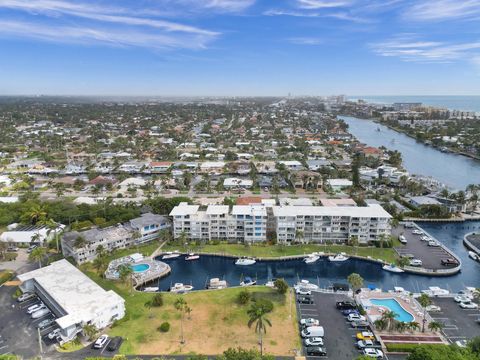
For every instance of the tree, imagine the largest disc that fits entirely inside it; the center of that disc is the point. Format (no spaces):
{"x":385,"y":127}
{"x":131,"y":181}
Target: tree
{"x":413,"y":326}
{"x":79,"y":242}
{"x":281,"y":285}
{"x":355,"y":281}
{"x":474,"y":345}
{"x":90,"y":330}
{"x":435,"y":326}
{"x":243,"y":354}
{"x":181,"y":306}
{"x":389,"y":318}
{"x":257,"y":315}
{"x":36,"y":213}
{"x":3,"y":249}
{"x":424,"y":301}
{"x":100,"y":264}
{"x":244,"y":297}
{"x":125,"y":273}
{"x":38,"y":254}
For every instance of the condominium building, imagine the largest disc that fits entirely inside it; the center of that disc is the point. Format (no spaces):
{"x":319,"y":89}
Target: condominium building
{"x":82,"y":245}
{"x":240,"y":223}
{"x":319,"y":224}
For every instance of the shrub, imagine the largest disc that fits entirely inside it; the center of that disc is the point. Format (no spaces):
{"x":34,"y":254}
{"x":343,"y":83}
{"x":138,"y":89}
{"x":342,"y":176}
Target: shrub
{"x":244,"y":297}
{"x":266,"y":304}
{"x":157,"y":300}
{"x":281,"y":285}
{"x":164,"y":327}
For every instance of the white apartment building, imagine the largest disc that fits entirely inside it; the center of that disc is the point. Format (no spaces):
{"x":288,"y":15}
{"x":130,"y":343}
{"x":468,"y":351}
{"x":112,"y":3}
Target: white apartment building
{"x":318,"y":224}
{"x":240,"y":223}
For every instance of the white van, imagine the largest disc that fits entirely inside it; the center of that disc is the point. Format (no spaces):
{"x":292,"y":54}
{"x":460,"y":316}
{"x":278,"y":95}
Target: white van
{"x":313,"y":331}
{"x":40,"y":313}
{"x":402,"y":239}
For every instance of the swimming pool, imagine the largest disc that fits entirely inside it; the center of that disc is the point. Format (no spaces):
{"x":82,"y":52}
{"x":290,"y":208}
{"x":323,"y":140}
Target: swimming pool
{"x":140,"y":267}
{"x":400,"y":313}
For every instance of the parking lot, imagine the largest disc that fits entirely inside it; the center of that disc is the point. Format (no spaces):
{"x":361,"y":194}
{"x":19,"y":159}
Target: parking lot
{"x":339,"y":336}
{"x":431,"y":256}
{"x":459,"y":324}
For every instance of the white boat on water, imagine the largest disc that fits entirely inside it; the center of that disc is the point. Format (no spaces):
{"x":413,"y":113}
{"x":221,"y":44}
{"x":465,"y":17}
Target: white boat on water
{"x":216,"y":283}
{"x":171,"y":255}
{"x":151,"y":289}
{"x":392,"y":268}
{"x":248,"y":281}
{"x":306,"y":285}
{"x":339,"y":257}
{"x":245,"y":261}
{"x":435,"y":291}
{"x":310,"y":259}
{"x":180,"y":288}
{"x":192,"y":256}
{"x":473,"y":256}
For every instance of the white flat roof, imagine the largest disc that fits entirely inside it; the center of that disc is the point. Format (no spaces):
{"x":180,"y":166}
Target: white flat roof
{"x":79,"y":296}
{"x":254,"y":210}
{"x":217,"y":209}
{"x":184,"y":209}
{"x":352,"y":211}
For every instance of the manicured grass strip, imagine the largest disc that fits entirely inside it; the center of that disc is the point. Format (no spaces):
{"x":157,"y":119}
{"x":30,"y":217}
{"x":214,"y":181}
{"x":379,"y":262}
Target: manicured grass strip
{"x":5,"y":276}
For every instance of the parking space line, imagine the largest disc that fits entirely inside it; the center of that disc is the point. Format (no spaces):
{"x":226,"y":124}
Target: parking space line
{"x":103,"y":349}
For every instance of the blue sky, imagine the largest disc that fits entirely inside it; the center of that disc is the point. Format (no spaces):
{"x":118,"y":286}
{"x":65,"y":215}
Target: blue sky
{"x":240,"y":47}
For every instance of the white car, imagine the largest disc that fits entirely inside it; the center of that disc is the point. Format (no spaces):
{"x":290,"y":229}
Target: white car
{"x":302,"y":291}
{"x":461,"y":343}
{"x":314,"y":341}
{"x":468,"y":305}
{"x":425,"y":238}
{"x":433,"y":308}
{"x":417,"y":232}
{"x":361,"y":344}
{"x":462,"y":298}
{"x":355,"y":317}
{"x":36,"y":307}
{"x":373,"y":353}
{"x":26,"y":296}
{"x":53,"y":334}
{"x":402,"y":239}
{"x":433,"y":243}
{"x":416,"y":262}
{"x":309,"y":322}
{"x":101,"y":341}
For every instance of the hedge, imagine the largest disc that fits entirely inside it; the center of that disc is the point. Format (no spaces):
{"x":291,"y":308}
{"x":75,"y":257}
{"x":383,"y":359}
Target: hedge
{"x":407,"y":348}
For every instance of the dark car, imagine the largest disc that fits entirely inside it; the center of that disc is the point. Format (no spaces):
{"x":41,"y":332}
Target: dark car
{"x":449,"y":262}
{"x":305,"y":300}
{"x":114,"y":344}
{"x":350,"y":311}
{"x":345,"y":305}
{"x":316,"y":351}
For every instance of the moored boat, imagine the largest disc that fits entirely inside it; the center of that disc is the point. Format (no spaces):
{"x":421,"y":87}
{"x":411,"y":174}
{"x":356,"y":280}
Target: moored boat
{"x":216,"y":283}
{"x":192,"y":256}
{"x":473,"y":256}
{"x":248,"y":281}
{"x":171,"y":255}
{"x":435,"y":291}
{"x":151,"y":289}
{"x":392,"y":268}
{"x":305,"y":284}
{"x":180,"y":288}
{"x":245,"y":261}
{"x":310,"y":259}
{"x":339,"y":257}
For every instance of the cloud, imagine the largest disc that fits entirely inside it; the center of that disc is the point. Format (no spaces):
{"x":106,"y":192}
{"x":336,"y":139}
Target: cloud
{"x":322,"y":4}
{"x":227,"y":5}
{"x":437,"y":10}
{"x":305,"y":41}
{"x":308,"y":14}
{"x":408,"y":48}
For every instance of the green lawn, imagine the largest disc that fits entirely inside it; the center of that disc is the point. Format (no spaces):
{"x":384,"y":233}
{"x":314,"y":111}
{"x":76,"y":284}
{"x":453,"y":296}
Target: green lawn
{"x":272,"y":251}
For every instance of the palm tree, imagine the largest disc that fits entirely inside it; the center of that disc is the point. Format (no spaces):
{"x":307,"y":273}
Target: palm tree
{"x":389,"y":318}
{"x":380,"y":324}
{"x":401,"y":326}
{"x":256,"y":315}
{"x":355,"y":281}
{"x":413,"y":326}
{"x":435,"y":326}
{"x":424,"y":300}
{"x":90,"y":330}
{"x":125,"y":272}
{"x":100,"y":264}
{"x":52,"y":226}
{"x":36,"y":213}
{"x":181,"y":306}
{"x":38,"y":254}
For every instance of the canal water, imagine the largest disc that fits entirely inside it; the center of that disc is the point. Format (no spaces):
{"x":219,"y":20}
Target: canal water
{"x":455,"y":171}
{"x":325,"y":273}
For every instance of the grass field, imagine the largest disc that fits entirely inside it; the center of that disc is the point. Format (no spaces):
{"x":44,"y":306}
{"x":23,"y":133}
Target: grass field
{"x":272,"y":251}
{"x":216,"y":322}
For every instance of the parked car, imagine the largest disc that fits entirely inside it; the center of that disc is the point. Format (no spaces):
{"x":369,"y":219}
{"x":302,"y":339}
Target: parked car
{"x":314,"y":341}
{"x":31,"y":248}
{"x":360,"y":324}
{"x":309,"y":322}
{"x":416,"y":262}
{"x":316,"y":351}
{"x":433,"y":308}
{"x":100,"y":342}
{"x":461,"y":343}
{"x":35,"y":307}
{"x":468,"y":305}
{"x":302,"y":291}
{"x":449,"y":262}
{"x":350,"y":311}
{"x":12,"y":249}
{"x":409,"y":225}
{"x":114,"y":344}
{"x":313,"y":331}
{"x":417,"y":232}
{"x":433,"y":243}
{"x":355,"y":317}
{"x":402,"y":239}
{"x":44,"y":323}
{"x":425,"y":238}
{"x":53,"y":334}
{"x":361,"y":344}
{"x":373,"y":353}
{"x":462,"y":298}
{"x":365,"y":335}
{"x":26,"y":296}
{"x":345,"y":305}
{"x":40,"y":313}
{"x":305,"y":300}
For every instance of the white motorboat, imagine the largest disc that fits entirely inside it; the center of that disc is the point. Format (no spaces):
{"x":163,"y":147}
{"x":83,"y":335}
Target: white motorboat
{"x":192,"y":256}
{"x":310,"y":259}
{"x":248,"y":281}
{"x":151,"y":289}
{"x":171,"y":255}
{"x":216,"y":283}
{"x":339,"y":257}
{"x":270,"y":284}
{"x":180,"y":288}
{"x":306,"y":285}
{"x":435,"y":291}
{"x":245,"y":261}
{"x":392,"y":268}
{"x":473,"y":256}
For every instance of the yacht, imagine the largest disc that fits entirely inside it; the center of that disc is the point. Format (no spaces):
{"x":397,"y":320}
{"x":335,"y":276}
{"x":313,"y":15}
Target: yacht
{"x":151,"y":289}
{"x":270,"y":283}
{"x":310,"y":259}
{"x":392,"y":268}
{"x":180,"y":288}
{"x":248,"y":281}
{"x":473,"y":255}
{"x":305,"y":284}
{"x":171,"y":255}
{"x":245,"y":261}
{"x":339,"y":257}
{"x":191,"y":257}
{"x":435,"y":291}
{"x":216,"y":283}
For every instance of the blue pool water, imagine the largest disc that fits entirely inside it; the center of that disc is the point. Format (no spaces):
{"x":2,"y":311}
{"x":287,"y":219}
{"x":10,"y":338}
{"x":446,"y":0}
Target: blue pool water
{"x":400,"y":313}
{"x":140,"y":267}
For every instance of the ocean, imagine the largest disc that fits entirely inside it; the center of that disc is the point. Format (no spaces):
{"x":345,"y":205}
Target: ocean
{"x":465,"y":103}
